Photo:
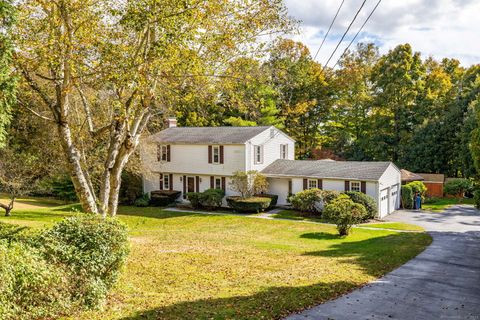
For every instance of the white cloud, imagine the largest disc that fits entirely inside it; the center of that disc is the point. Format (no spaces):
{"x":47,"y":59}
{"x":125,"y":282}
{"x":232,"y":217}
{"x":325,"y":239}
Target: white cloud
{"x":440,"y":28}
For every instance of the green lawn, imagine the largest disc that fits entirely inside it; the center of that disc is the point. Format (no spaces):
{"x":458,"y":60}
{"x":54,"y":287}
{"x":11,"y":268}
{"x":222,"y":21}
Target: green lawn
{"x":294,"y":215}
{"x":393,"y":226}
{"x":194,"y":266}
{"x":441,"y":204}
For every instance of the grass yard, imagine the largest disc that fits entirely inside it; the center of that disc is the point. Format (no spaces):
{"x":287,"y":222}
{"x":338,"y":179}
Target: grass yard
{"x":438,"y":205}
{"x":294,"y":215}
{"x":194,"y":266}
{"x":393,"y":226}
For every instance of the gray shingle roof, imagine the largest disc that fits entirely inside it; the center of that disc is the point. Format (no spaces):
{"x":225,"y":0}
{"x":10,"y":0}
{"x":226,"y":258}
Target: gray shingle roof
{"x":208,"y":135}
{"x":355,"y":170}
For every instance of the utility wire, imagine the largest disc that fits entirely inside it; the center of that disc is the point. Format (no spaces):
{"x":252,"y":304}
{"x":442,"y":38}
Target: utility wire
{"x":344,"y":34}
{"x":358,"y":32}
{"x":328,"y":31}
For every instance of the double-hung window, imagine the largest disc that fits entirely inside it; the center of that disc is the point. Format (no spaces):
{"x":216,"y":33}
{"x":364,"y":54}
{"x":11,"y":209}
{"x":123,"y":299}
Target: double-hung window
{"x":312,"y":183}
{"x":216,"y":154}
{"x":218,"y":183}
{"x":283,"y":151}
{"x":258,"y":154}
{"x":162,"y":152}
{"x":354,"y":186}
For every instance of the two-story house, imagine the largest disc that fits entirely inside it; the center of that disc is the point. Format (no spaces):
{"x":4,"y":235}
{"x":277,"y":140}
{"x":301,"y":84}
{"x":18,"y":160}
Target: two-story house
{"x":193,"y":159}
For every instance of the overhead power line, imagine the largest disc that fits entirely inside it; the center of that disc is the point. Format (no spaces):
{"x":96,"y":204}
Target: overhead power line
{"x":358,"y":32}
{"x":345,"y":33}
{"x":328,"y":31}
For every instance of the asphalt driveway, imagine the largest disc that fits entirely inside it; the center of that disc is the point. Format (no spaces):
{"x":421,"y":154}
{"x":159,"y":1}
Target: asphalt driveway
{"x":443,"y":282}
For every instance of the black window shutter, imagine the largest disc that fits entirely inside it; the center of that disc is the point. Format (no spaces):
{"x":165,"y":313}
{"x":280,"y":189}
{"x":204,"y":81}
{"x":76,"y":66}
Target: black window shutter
{"x":209,"y":154}
{"x":347,"y":185}
{"x":221,"y":154}
{"x":197,"y":184}
{"x":305,"y":184}
{"x":212,"y":182}
{"x":184,"y":187}
{"x":161,"y":181}
{"x":223,"y":184}
{"x":170,"y":181}
{"x":363,"y":187}
{"x":159,"y":152}
{"x":320,"y":184}
{"x":168,"y":153}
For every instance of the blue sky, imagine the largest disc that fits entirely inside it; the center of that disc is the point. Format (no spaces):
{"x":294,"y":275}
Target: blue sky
{"x":438,"y":28}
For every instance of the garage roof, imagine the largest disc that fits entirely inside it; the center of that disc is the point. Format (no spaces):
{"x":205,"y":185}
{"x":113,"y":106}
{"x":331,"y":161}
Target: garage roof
{"x":408,"y":176}
{"x":355,"y":170}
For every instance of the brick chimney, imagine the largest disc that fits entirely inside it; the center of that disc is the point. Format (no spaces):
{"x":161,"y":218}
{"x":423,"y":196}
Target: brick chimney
{"x":171,"y":122}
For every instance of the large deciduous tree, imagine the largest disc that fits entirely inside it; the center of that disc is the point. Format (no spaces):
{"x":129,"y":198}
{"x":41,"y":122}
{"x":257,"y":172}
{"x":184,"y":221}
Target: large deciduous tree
{"x":7,"y":80}
{"x":102,"y":69}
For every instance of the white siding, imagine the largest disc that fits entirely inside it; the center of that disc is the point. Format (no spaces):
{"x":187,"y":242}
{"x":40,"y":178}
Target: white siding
{"x":390,"y":180}
{"x":271,"y":148}
{"x":193,"y":159}
{"x":279,"y":186}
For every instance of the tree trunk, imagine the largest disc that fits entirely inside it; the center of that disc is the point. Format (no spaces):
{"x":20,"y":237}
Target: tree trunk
{"x":80,"y":181}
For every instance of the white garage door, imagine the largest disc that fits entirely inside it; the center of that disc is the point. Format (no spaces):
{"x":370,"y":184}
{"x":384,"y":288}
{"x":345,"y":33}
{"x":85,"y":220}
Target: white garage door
{"x":384,"y":202}
{"x":393,"y":198}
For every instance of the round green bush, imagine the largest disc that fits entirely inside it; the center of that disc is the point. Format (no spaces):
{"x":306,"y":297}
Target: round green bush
{"x":91,"y":250}
{"x":307,"y":200}
{"x":329,"y":195}
{"x":365,"y":200}
{"x":30,"y":287}
{"x":143,"y":201}
{"x":248,"y":205}
{"x":458,"y":187}
{"x":194,"y":198}
{"x":476,"y":198}
{"x":344,"y":213}
{"x":212,"y":198}
{"x":273,"y":198}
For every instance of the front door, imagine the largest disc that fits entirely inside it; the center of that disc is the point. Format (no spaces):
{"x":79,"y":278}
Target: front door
{"x":190,"y":184}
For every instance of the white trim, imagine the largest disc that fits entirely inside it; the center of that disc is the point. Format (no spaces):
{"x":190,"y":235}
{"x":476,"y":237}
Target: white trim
{"x":359,"y":185}
{"x":312,"y":180}
{"x":166,"y":178}
{"x":257,"y":153}
{"x":216,"y":147}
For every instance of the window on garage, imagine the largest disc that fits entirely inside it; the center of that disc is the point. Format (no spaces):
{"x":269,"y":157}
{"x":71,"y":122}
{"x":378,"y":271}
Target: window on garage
{"x":355,"y":186}
{"x":312,"y":183}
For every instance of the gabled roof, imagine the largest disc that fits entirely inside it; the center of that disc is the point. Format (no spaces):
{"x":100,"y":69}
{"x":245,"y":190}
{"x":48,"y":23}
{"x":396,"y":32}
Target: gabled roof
{"x":325,"y":169}
{"x":208,"y":135}
{"x":410,"y":176}
{"x":433,"y":177}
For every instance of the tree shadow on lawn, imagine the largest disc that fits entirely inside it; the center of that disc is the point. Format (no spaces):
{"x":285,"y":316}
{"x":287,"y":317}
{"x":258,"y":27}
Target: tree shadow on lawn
{"x":378,"y":255}
{"x":321,"y":236}
{"x":271,"y":303}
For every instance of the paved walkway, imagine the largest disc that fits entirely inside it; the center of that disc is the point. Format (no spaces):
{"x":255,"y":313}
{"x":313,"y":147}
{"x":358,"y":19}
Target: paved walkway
{"x":443,"y":282}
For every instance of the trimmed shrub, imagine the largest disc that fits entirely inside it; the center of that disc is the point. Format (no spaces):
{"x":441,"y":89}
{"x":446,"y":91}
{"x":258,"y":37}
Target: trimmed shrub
{"x":344,"y":213}
{"x":248,"y":205}
{"x":365,"y":200}
{"x":307,"y":200}
{"x":458,"y":187}
{"x":162,"y":198}
{"x":407,"y":196}
{"x":30,"y":287}
{"x":212,"y":198}
{"x":91,"y":251}
{"x":143,"y":201}
{"x":329,"y":195}
{"x":476,"y":198}
{"x":273,"y":198}
{"x":194,"y":198}
{"x":12,"y":232}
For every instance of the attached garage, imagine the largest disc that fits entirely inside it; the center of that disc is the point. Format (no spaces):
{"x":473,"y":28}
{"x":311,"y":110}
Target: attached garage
{"x":380,"y":180}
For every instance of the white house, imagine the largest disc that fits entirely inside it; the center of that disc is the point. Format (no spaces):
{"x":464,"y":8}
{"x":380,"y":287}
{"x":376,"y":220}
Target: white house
{"x":193,"y":159}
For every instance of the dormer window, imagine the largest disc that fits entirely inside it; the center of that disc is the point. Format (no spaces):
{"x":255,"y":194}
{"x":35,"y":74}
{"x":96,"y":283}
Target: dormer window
{"x":216,"y":154}
{"x":258,"y":154}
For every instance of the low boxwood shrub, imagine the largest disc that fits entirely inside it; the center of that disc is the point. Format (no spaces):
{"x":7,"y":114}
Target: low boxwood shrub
{"x":248,"y":205}
{"x":194,"y":198}
{"x":142,"y":201}
{"x":307,"y":200}
{"x":365,"y":200}
{"x":212,"y":198}
{"x":162,"y":198}
{"x":344,"y":213}
{"x":91,"y":251}
{"x":31,"y":287}
{"x":273,"y":198}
